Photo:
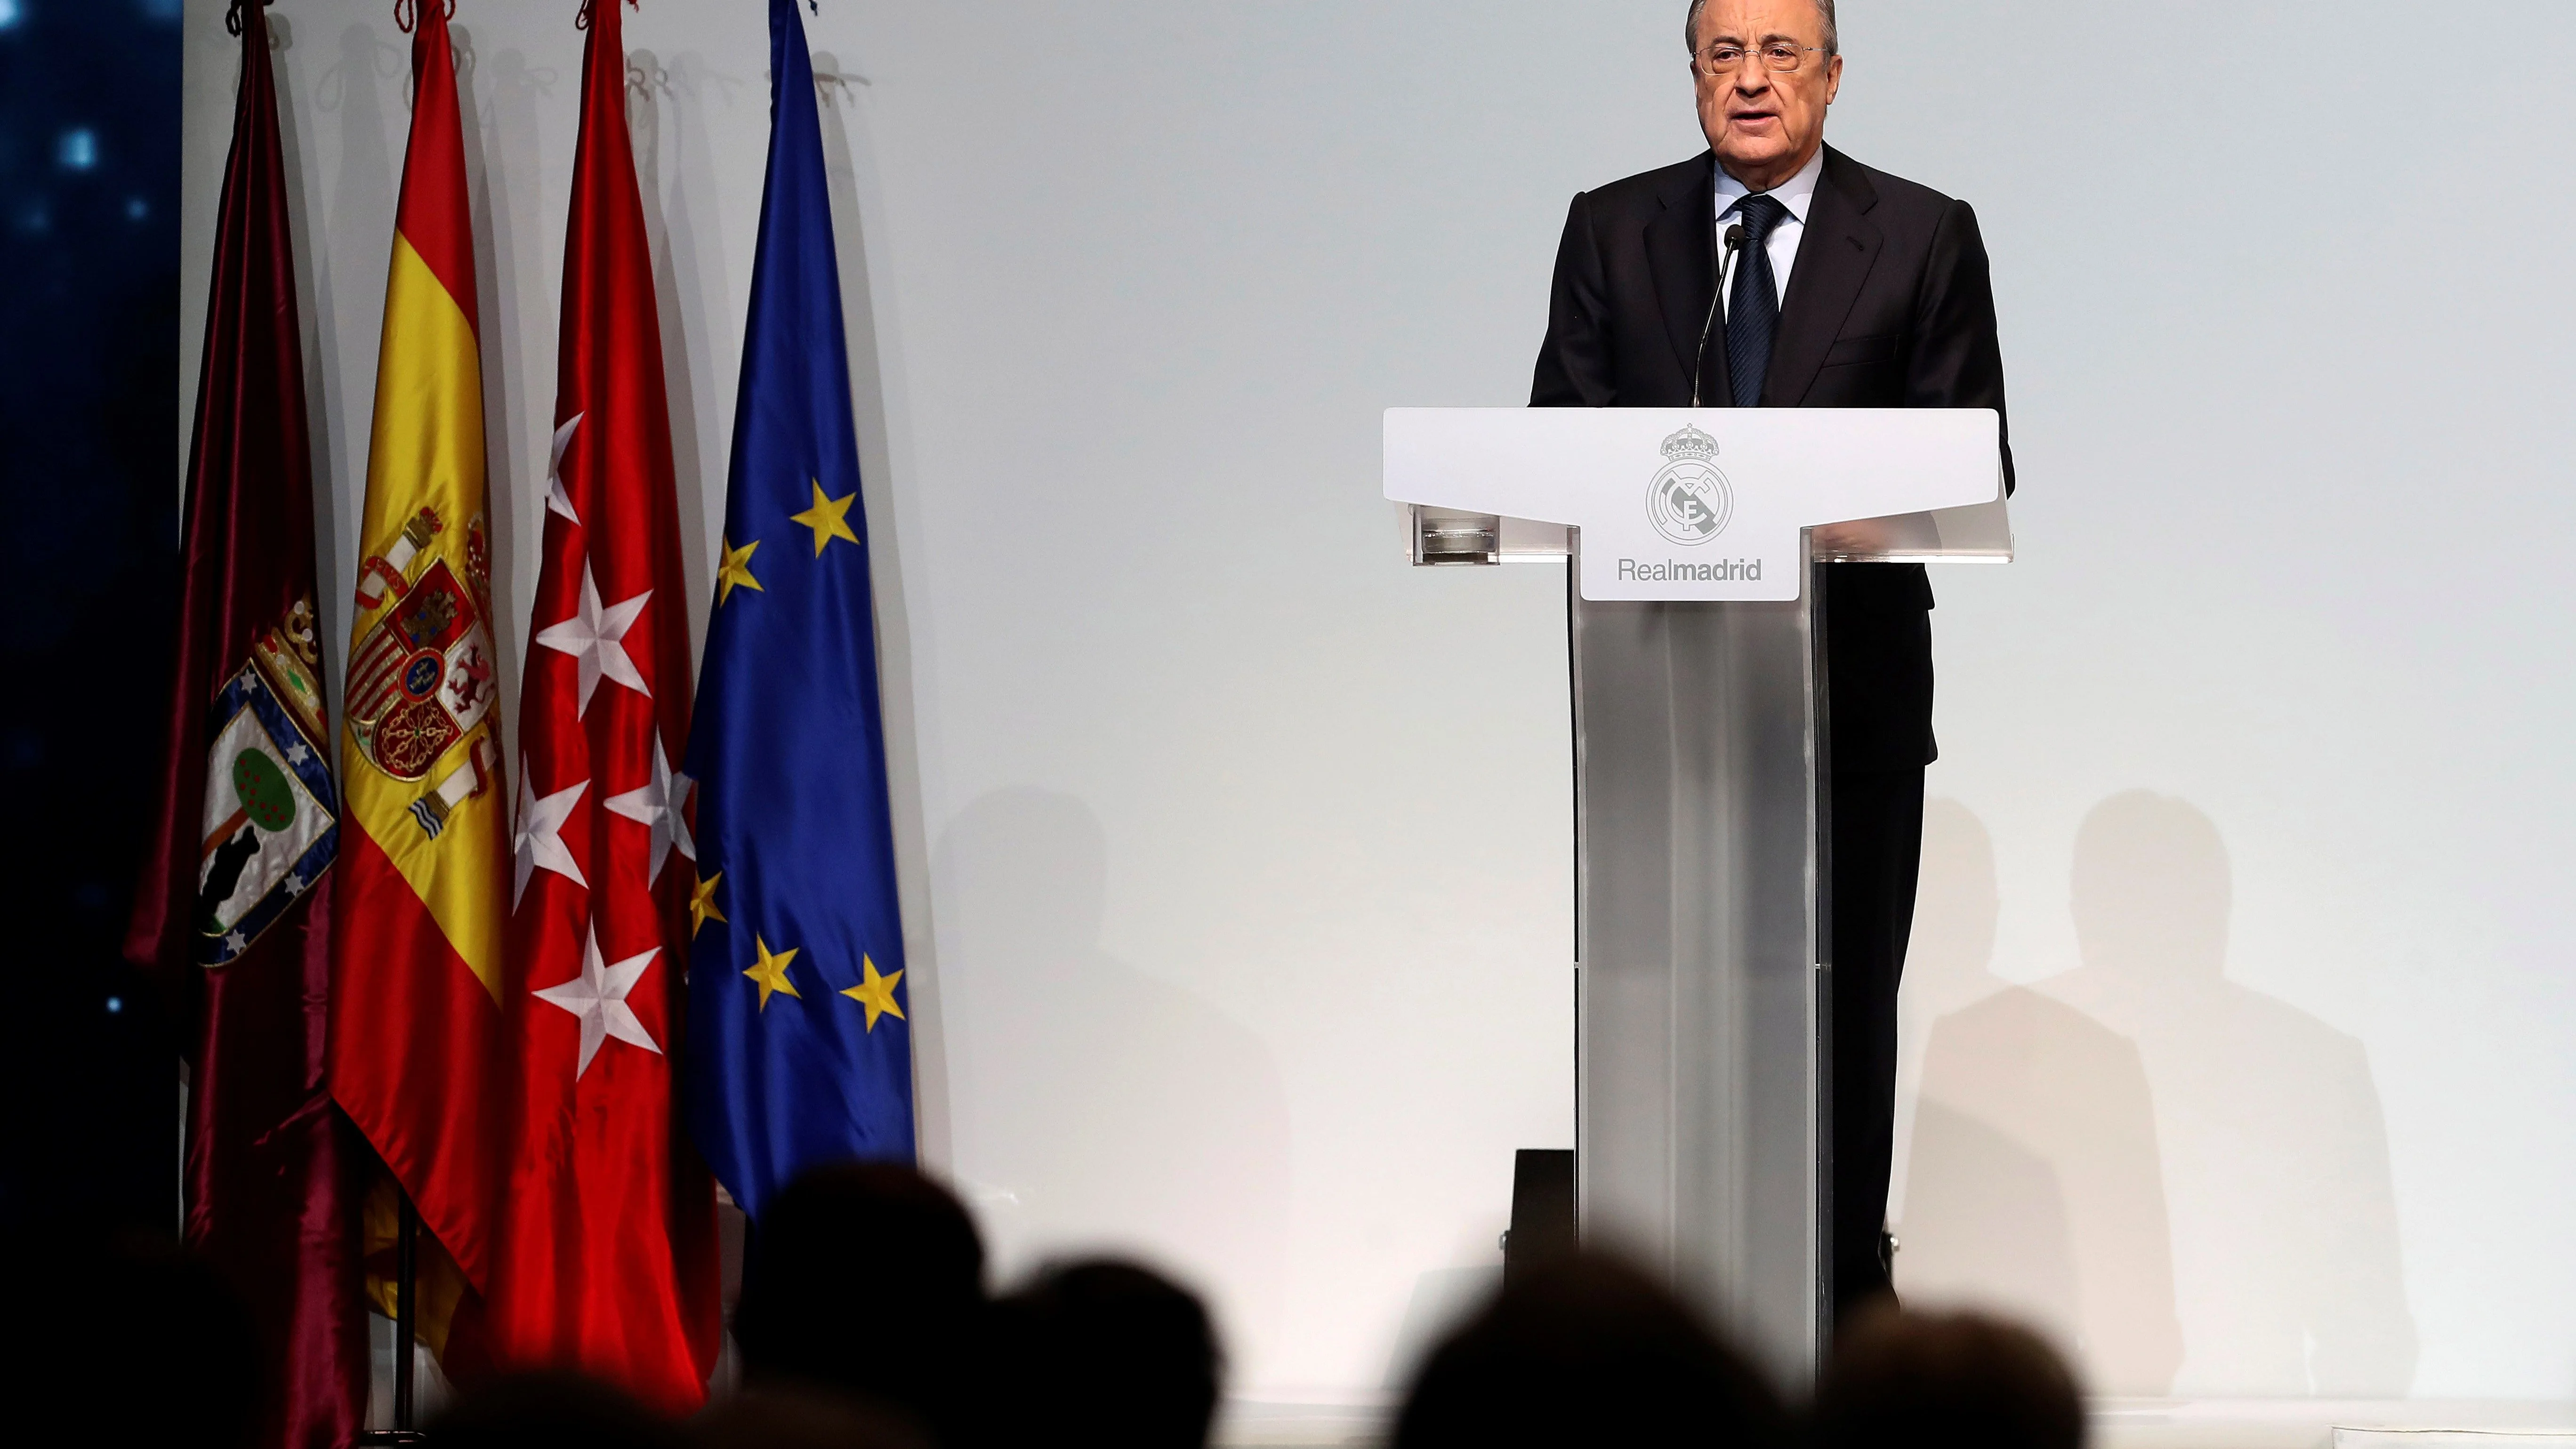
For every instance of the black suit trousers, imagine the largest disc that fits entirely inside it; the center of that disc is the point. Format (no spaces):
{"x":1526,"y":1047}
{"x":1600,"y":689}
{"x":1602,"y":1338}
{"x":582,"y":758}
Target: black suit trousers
{"x":1877,"y":844}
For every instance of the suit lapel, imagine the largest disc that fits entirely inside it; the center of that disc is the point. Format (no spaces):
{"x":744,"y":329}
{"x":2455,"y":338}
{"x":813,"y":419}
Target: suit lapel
{"x":1835,"y":254}
{"x":1677,"y":243}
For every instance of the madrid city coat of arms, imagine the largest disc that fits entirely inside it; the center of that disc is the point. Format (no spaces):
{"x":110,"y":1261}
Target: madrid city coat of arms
{"x":271,"y":822}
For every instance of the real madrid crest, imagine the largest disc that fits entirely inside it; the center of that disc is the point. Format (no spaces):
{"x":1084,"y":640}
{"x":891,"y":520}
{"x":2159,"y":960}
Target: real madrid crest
{"x":1690,"y":501}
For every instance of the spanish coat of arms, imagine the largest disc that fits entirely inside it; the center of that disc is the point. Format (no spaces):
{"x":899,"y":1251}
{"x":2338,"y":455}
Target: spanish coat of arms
{"x":425,"y":675}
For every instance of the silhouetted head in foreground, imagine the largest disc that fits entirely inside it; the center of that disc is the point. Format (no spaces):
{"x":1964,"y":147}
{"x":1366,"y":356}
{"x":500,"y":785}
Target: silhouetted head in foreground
{"x":102,"y":1312}
{"x":1939,"y":1380}
{"x":1585,"y":1351}
{"x":1103,"y":1353}
{"x":864,"y":1277}
{"x":549,"y":1410}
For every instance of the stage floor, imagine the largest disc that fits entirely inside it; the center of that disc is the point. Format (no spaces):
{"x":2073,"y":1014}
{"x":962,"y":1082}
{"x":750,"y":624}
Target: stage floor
{"x":2117,"y":1424}
{"x":2329,"y":1423}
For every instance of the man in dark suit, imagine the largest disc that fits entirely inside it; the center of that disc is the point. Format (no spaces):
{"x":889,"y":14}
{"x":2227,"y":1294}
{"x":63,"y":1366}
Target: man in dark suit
{"x":1844,"y":287}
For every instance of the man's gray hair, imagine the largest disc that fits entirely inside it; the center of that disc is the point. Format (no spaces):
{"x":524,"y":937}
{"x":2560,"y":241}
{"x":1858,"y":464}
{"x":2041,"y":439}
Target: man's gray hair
{"x":1824,"y":12}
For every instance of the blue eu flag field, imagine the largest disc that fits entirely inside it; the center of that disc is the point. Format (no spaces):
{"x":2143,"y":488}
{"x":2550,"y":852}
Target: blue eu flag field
{"x":800,"y":1050}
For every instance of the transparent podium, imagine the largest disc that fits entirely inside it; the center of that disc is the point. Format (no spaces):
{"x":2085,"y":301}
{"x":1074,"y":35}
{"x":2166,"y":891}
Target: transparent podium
{"x":1700,"y":719}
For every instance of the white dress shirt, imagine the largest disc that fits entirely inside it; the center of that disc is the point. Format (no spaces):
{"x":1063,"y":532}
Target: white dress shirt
{"x":1797,"y":193}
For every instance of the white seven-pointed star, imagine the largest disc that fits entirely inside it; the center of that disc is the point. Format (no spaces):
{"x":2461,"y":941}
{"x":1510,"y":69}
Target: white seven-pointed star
{"x":557,"y":500}
{"x":598,"y":997}
{"x":596,"y":638}
{"x":540,"y":836}
{"x":656,"y":806}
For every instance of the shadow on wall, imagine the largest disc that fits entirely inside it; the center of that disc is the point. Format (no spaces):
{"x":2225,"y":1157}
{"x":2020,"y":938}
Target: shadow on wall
{"x":2275,"y":1151}
{"x":1096,"y":1105}
{"x":2033,"y":1183}
{"x":2141,"y":1154}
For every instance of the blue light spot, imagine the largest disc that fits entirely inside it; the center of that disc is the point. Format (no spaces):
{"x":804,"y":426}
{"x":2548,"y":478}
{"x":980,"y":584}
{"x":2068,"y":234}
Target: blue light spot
{"x":78,"y":149}
{"x":10,"y":14}
{"x":157,"y":9}
{"x":115,"y":1004}
{"x":136,"y":208}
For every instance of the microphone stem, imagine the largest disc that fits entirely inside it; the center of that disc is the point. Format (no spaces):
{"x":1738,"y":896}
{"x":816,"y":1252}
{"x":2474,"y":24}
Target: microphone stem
{"x":1725,"y":264}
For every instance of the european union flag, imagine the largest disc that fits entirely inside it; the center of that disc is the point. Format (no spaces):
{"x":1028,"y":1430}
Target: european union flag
{"x":800,"y":1052}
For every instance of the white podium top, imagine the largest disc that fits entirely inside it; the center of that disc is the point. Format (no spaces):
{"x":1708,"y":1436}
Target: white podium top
{"x":1706,"y":503}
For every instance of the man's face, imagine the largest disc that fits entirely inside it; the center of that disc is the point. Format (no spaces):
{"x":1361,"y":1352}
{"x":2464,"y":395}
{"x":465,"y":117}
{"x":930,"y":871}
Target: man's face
{"x":1764,"y":125}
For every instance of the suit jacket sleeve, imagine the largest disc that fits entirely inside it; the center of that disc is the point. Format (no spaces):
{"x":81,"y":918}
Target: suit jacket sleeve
{"x":1574,"y":362}
{"x":1957,"y":362}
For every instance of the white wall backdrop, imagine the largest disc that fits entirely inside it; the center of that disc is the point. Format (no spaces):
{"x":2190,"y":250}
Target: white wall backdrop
{"x":1237,"y":855}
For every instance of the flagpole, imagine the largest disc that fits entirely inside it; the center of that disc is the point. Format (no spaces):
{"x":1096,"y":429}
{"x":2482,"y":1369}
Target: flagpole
{"x":406,"y":1326}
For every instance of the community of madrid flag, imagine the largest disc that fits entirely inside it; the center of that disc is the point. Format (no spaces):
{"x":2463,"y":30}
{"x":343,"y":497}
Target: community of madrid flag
{"x":800,"y":1049}
{"x":232,"y":913}
{"x":423,"y":891}
{"x":606,"y":1260}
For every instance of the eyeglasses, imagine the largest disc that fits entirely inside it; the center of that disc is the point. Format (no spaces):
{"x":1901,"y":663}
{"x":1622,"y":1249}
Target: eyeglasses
{"x":1778,"y":57}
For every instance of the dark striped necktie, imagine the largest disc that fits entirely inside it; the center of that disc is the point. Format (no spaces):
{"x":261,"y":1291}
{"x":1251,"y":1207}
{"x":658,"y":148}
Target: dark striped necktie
{"x":1753,"y":307}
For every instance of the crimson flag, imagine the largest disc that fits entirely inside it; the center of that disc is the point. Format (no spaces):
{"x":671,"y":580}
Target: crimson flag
{"x":232,"y":911}
{"x":606,"y":1259}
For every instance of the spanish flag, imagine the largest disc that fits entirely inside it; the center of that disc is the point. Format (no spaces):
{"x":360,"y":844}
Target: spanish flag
{"x":424,"y":871}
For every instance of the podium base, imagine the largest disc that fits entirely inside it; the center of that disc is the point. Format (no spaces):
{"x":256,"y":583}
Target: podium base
{"x":1700,"y":1115}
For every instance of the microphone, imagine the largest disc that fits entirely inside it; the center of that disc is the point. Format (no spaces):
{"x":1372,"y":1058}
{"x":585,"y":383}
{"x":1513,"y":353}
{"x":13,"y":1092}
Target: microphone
{"x":1699,"y":359}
